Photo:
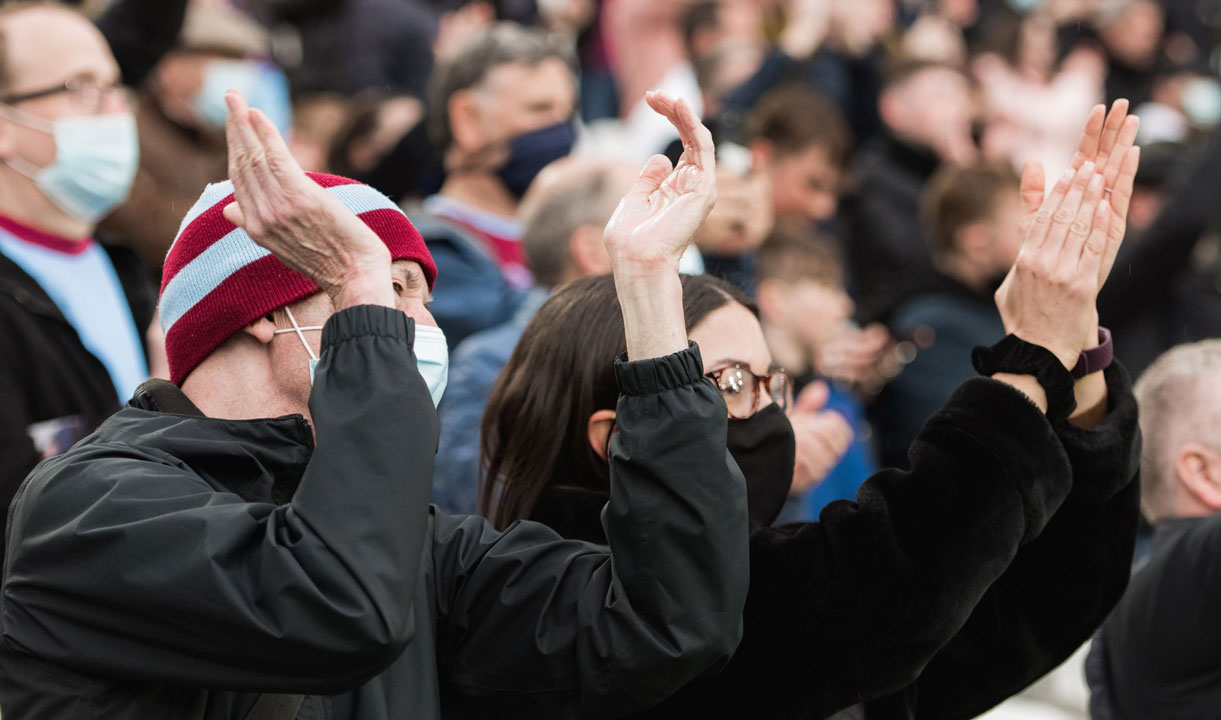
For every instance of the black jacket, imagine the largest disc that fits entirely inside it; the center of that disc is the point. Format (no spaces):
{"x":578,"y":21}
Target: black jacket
{"x":888,"y":253}
{"x":1159,"y":653}
{"x":941,"y":591}
{"x":46,"y":373}
{"x":176,"y":566}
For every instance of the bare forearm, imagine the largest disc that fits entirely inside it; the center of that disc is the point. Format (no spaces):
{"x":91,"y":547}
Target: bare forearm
{"x":652,"y":306}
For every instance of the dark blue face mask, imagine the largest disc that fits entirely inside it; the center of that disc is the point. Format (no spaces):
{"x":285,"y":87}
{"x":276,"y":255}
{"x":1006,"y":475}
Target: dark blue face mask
{"x":533,"y":151}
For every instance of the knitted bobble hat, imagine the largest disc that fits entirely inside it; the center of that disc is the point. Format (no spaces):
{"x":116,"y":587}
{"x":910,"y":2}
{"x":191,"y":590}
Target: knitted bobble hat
{"x":217,"y":280}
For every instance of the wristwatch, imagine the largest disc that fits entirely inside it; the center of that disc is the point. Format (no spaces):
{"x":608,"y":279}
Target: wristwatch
{"x":1015,"y":355}
{"x":1096,"y":359}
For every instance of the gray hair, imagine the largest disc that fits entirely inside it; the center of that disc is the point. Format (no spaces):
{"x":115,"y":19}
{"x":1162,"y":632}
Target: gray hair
{"x":1179,"y":396}
{"x":550,"y":219}
{"x":502,"y":44}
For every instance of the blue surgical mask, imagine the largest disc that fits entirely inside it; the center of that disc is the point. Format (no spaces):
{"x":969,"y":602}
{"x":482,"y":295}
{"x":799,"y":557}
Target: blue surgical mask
{"x":431,"y":352}
{"x":96,"y":157}
{"x":533,"y":151}
{"x":432,"y":358}
{"x":262,"y":84}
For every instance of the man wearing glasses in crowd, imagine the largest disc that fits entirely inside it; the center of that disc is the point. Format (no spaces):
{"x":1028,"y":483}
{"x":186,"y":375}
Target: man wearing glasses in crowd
{"x":73,"y":313}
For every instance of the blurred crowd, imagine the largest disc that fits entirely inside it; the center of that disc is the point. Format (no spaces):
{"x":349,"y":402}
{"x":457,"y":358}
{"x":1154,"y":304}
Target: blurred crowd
{"x":869,"y":161}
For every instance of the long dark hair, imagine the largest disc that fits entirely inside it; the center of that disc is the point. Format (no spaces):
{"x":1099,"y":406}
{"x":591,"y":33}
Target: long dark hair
{"x":535,"y":429}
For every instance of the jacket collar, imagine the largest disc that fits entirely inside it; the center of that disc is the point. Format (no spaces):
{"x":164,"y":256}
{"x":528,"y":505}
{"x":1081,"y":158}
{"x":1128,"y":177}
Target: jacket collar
{"x":260,"y":459}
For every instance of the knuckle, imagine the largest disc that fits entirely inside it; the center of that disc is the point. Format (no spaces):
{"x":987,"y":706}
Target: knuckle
{"x":1079,"y":228}
{"x":1042,"y":217}
{"x":1063,"y":217}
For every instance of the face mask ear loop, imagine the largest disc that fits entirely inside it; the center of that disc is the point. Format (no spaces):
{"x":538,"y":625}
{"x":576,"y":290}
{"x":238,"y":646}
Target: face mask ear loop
{"x":300,"y":334}
{"x":20,"y":165}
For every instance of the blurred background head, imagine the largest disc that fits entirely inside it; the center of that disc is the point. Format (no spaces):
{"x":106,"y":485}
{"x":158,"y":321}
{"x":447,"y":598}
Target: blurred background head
{"x":563,"y":216}
{"x":506,"y":84}
{"x":929,"y":104}
{"x":973,"y":217}
{"x":800,"y":139}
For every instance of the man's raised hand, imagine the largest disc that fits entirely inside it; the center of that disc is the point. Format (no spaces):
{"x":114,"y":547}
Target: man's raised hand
{"x":286,"y":212}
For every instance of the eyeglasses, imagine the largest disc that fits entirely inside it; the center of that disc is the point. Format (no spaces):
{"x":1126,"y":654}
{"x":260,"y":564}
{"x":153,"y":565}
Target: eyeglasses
{"x":741,"y":389}
{"x":85,"y":94}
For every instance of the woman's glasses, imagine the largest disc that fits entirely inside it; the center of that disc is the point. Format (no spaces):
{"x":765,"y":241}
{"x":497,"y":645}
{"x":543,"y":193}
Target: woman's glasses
{"x":743,"y":390}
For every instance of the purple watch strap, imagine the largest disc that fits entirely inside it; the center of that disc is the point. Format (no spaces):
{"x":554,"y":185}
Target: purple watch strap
{"x":1095,"y":359}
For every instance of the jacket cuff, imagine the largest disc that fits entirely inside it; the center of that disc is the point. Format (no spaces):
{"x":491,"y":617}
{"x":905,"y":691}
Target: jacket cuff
{"x":1105,"y":458}
{"x":367,"y":320}
{"x":1000,"y":417}
{"x":645,"y":377}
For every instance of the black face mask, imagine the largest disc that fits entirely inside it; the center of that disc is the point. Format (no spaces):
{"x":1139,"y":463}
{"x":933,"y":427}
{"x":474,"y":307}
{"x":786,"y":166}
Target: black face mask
{"x":765,"y":448}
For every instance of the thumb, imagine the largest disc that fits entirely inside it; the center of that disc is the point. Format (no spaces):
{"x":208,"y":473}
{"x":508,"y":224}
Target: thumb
{"x":813,"y":398}
{"x":233,"y":213}
{"x":652,"y":175}
{"x":1031,"y":192}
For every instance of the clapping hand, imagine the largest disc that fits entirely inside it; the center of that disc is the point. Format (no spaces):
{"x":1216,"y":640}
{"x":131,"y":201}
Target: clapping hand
{"x":822,"y":437}
{"x":307,"y":228}
{"x":655,"y":222}
{"x":1070,"y":240}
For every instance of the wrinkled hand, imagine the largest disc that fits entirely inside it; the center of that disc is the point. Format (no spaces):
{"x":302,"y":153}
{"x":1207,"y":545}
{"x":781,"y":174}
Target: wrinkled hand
{"x":823,"y":436}
{"x":306,"y":227}
{"x":655,"y":222}
{"x":1069,"y":245}
{"x":742,"y":217}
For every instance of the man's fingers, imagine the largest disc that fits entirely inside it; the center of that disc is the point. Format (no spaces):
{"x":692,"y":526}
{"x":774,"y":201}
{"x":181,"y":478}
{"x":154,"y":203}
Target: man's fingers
{"x":813,"y":398}
{"x":1063,"y":218}
{"x":233,"y":213}
{"x":247,"y":163}
{"x":1081,"y":228}
{"x":280,"y":158}
{"x":1090,"y":137}
{"x":1094,"y":249}
{"x":1033,"y":185}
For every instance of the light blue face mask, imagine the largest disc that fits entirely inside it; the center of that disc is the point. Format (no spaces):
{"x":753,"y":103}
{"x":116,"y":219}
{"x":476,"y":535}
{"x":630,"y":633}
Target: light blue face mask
{"x":262,"y":84}
{"x":432,"y":358}
{"x":96,"y":157}
{"x":431,"y":351}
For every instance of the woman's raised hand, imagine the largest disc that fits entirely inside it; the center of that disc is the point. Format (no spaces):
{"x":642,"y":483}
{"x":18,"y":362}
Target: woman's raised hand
{"x":652,"y":228}
{"x":1071,"y":238}
{"x":655,"y":222}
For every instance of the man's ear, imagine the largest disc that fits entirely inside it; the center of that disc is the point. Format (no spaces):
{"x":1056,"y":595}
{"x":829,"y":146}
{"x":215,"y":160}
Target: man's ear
{"x":600,"y":426}
{"x":762,"y":154}
{"x":1199,"y":470}
{"x":464,"y":121}
{"x":770,"y":294}
{"x":587,"y":251}
{"x":263,"y":329}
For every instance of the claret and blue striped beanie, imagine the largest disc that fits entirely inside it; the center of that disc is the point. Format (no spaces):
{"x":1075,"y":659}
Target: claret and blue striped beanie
{"x":216,"y":280}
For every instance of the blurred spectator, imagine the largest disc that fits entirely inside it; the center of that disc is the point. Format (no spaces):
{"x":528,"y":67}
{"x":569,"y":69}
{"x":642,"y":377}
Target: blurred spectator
{"x":1131,"y":33}
{"x":346,"y":46}
{"x":180,"y":111}
{"x":500,"y":111}
{"x":1167,"y":289}
{"x":317,"y":120}
{"x":801,"y":142}
{"x":562,"y":219}
{"x":73,"y":313}
{"x":1159,"y":652}
{"x":927,"y":110}
{"x":803,"y":307}
{"x":973,"y":217}
{"x":384,"y":142}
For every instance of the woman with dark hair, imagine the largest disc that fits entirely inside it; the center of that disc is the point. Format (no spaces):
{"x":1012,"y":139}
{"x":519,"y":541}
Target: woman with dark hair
{"x":942,"y":590}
